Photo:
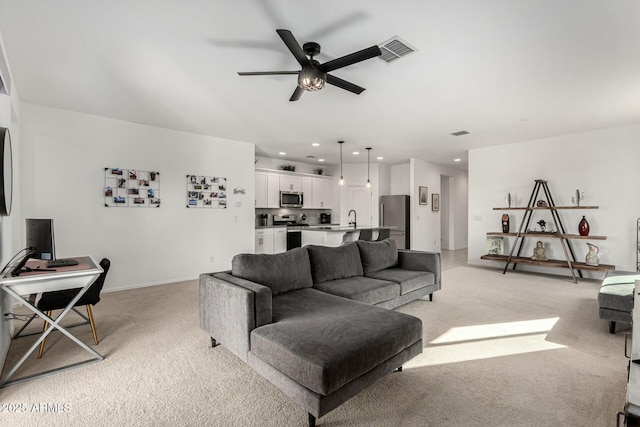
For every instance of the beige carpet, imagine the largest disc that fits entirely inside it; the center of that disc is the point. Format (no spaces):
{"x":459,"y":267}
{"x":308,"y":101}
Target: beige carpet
{"x":500,"y":350}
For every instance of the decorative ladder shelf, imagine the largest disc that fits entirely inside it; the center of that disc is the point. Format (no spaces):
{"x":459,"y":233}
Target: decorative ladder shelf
{"x":570,"y":258}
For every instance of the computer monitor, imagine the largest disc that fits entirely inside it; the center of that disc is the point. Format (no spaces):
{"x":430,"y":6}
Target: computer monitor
{"x":40,"y":238}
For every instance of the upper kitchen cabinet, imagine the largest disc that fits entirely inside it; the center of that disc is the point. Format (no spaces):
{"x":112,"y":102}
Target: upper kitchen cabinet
{"x":321,"y":193}
{"x":290,"y":183}
{"x":307,"y":191}
{"x":267,"y":189}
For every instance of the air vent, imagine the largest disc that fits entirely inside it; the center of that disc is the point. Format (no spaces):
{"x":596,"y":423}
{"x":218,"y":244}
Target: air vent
{"x":394,"y":48}
{"x":460,"y":133}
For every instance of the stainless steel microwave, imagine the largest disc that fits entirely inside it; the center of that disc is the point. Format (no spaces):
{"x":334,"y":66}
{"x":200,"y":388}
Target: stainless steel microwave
{"x":291,"y":199}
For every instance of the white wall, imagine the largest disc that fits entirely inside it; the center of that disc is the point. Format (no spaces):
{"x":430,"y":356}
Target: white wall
{"x":425,"y":223}
{"x":602,"y":163}
{"x":9,"y":118}
{"x":355,"y":175}
{"x":64,"y":158}
{"x":400,"y":179}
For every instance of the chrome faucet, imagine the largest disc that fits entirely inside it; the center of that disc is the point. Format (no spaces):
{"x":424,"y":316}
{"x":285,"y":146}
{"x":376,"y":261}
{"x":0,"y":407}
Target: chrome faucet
{"x":355,"y":217}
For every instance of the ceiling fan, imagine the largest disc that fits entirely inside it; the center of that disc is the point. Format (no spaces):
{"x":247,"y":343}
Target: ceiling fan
{"x":314,"y":75}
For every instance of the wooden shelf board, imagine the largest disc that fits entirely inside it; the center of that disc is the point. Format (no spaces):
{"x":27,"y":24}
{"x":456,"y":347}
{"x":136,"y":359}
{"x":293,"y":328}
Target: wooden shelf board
{"x":549,"y":263}
{"x":523,"y":208}
{"x":548,"y":235}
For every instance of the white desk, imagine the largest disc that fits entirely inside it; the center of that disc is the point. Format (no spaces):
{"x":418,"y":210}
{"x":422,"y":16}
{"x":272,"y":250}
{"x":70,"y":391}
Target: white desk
{"x":77,"y":276}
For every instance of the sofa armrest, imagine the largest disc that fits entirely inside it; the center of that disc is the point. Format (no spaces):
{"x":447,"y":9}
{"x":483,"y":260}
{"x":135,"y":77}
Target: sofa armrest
{"x":230,"y":308}
{"x":420,"y":260}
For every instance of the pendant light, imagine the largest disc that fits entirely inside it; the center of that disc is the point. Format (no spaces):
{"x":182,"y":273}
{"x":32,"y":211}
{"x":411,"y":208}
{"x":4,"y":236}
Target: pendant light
{"x":341,"y":182}
{"x":368,"y":166}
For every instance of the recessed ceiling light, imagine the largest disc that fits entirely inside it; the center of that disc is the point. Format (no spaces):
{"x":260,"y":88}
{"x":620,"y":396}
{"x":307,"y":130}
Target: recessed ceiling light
{"x":315,"y":144}
{"x":457,"y":160}
{"x":282,"y":153}
{"x":356,"y":153}
{"x":321,"y":160}
{"x":380,"y":158}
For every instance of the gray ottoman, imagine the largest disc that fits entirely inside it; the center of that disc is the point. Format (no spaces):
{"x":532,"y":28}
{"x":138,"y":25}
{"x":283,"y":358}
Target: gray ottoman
{"x":615,"y":298}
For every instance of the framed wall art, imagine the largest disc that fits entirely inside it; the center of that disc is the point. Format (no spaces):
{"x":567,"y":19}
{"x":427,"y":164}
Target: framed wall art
{"x":131,"y":188}
{"x":206,"y":192}
{"x":435,"y":202}
{"x":422,"y":195}
{"x":495,"y":245}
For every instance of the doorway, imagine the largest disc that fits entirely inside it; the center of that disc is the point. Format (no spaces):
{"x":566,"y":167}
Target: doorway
{"x":360,"y":199}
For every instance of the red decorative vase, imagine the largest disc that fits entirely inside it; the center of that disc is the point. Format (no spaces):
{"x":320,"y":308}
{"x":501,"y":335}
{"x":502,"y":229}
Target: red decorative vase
{"x":583,"y":227}
{"x":505,"y":223}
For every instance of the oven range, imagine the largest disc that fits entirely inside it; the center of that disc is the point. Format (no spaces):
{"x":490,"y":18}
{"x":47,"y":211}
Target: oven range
{"x":294,"y":225}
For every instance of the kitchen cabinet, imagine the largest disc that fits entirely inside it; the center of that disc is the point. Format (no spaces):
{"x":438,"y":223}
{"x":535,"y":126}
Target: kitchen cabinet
{"x":271,"y":240}
{"x":273,"y":190}
{"x":279,"y":240}
{"x":267,"y":190}
{"x":261,"y":190}
{"x":307,"y":190}
{"x":290,"y":183}
{"x":264,"y":241}
{"x":321,"y":193}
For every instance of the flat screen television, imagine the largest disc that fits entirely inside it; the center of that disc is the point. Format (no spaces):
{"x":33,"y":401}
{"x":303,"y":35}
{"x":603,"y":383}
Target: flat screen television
{"x":40,"y":238}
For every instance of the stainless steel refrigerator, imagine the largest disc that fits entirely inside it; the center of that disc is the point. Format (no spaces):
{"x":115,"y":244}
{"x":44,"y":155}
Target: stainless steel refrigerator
{"x":394,"y":213}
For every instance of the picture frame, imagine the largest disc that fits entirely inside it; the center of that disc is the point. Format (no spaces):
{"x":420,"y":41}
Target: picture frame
{"x":495,"y":245}
{"x":435,"y":202}
{"x":423,"y":195}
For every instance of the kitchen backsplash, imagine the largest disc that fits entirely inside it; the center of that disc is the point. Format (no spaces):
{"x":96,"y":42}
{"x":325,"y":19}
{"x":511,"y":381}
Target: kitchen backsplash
{"x":312,"y":215}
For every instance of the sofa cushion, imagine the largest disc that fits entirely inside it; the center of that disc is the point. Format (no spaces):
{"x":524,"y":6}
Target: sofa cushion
{"x":409,"y":280}
{"x":377,"y":256}
{"x":363,"y":289}
{"x":281,"y":272}
{"x":332,"y":263}
{"x":323,"y":341}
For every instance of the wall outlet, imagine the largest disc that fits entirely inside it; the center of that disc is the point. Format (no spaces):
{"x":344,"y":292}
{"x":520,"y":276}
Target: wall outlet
{"x":212,"y":259}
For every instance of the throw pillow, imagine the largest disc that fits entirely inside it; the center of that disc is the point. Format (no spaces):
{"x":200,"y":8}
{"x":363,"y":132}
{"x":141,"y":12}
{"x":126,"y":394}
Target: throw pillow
{"x":281,"y":272}
{"x":377,"y":256}
{"x":333,"y":263}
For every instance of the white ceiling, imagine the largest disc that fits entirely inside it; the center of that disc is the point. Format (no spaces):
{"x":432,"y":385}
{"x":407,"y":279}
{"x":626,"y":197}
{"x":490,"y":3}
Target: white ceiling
{"x":504,"y":70}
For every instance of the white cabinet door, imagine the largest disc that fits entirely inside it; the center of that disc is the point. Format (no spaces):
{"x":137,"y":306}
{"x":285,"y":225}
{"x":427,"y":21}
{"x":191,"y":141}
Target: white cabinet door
{"x":279,"y":240}
{"x":307,"y":192}
{"x":321,"y":193}
{"x":264,"y":241}
{"x":261,"y":190}
{"x":273,"y":190}
{"x":290,"y":183}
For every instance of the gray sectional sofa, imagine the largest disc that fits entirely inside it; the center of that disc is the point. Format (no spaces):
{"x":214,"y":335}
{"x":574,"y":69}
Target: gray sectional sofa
{"x":315,"y":321}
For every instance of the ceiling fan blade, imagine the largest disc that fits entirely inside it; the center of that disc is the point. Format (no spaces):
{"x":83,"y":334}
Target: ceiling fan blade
{"x":296,"y":94}
{"x":343,"y":84}
{"x":294,"y":46}
{"x":343,"y":61}
{"x":265,"y":73}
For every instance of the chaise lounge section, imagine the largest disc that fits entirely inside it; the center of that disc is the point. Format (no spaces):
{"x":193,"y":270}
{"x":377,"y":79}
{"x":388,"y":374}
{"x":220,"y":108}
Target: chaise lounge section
{"x":315,"y":321}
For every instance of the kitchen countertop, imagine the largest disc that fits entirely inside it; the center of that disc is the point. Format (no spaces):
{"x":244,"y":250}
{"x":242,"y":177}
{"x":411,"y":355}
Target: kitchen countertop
{"x":340,"y":228}
{"x":262,"y":227}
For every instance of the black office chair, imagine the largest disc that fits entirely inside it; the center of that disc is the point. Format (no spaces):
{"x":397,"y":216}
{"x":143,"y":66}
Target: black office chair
{"x":365,"y":234}
{"x":383,"y":233}
{"x":58,"y":300}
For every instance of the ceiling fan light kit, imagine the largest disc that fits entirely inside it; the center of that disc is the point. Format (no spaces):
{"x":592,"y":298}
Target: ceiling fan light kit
{"x":311,"y":79}
{"x":313,"y":76}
